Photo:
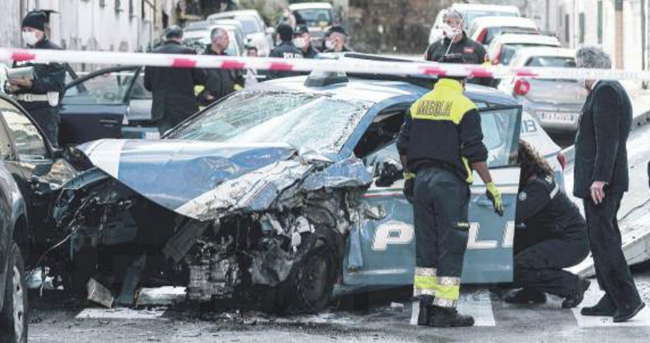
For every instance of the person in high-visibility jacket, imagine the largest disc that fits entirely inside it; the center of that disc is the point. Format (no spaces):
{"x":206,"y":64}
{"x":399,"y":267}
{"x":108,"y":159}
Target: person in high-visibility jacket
{"x":440,"y":145}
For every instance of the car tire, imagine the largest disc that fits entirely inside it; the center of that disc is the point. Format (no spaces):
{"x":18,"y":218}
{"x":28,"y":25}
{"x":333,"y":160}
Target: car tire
{"x":13,"y":317}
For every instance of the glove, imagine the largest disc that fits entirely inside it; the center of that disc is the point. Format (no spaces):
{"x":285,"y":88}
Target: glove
{"x":408,"y":186}
{"x":494,"y":195}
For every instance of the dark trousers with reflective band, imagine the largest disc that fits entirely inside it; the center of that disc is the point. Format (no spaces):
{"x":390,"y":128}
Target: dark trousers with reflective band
{"x":539,"y":267}
{"x":612,"y":271}
{"x":441,"y":202}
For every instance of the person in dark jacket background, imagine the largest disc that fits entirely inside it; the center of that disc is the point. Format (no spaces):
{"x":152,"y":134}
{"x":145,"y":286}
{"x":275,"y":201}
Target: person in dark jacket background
{"x":220,"y":82}
{"x":335,"y":40}
{"x":456,"y":41}
{"x":40,"y":96}
{"x":285,"y":49}
{"x":601,"y":179}
{"x":173,"y":88}
{"x":553,"y":236}
{"x":302,"y":41}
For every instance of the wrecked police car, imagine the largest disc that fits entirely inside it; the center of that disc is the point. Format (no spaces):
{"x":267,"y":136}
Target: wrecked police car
{"x":281,"y":195}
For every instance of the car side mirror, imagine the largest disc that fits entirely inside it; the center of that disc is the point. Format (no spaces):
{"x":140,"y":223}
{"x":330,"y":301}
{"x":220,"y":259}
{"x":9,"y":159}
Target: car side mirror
{"x":387,"y":172}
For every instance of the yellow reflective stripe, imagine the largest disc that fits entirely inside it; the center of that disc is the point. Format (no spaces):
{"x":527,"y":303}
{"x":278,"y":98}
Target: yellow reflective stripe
{"x":448,"y":292}
{"x":425,"y":282}
{"x":470,"y":174}
{"x":198,"y":89}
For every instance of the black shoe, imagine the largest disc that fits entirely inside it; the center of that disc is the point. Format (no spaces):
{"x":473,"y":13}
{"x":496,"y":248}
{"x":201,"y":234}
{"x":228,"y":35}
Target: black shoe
{"x":526,"y":296}
{"x":621,"y":316}
{"x":575,"y":298}
{"x":604,"y":308}
{"x":449,"y":318}
{"x":424,"y":317}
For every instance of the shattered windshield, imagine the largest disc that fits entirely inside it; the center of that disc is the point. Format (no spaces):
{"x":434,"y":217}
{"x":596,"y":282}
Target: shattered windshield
{"x":318,"y":122}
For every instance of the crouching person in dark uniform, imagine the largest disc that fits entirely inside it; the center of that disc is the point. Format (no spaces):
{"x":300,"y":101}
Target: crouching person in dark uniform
{"x":554,"y":236}
{"x":441,"y":142}
{"x":40,"y":96}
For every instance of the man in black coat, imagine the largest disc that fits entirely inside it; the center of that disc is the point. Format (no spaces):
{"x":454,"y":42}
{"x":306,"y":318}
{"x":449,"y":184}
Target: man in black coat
{"x":220,"y":82}
{"x":173,"y":88}
{"x":40,"y":95}
{"x":285,"y":49}
{"x":601,"y":179}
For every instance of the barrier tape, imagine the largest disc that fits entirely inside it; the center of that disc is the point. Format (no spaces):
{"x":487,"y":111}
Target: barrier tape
{"x":348,"y":65}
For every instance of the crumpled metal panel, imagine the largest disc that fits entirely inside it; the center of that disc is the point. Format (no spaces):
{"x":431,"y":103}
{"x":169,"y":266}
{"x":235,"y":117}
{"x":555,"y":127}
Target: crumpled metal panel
{"x":347,"y":173}
{"x":178,"y":175}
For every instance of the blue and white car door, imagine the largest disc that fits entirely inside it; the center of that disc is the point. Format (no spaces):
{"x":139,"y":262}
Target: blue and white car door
{"x":381,"y":248}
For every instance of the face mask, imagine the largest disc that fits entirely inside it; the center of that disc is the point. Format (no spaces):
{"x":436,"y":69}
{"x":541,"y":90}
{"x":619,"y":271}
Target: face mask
{"x":449,"y":31}
{"x":30,"y":38}
{"x":329,"y":45}
{"x":300,"y":42}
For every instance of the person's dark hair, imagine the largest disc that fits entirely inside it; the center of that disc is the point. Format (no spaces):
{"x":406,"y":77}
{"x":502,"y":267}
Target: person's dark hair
{"x":532,"y":163}
{"x":174,"y":32}
{"x":285,"y":32}
{"x":452,"y":59}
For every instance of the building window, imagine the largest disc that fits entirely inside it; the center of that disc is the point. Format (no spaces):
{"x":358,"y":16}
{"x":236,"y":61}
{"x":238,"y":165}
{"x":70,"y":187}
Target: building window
{"x":102,"y":3}
{"x":131,"y":9}
{"x":600,"y":22}
{"x":567,"y":32}
{"x":118,"y":6}
{"x":582,"y":27}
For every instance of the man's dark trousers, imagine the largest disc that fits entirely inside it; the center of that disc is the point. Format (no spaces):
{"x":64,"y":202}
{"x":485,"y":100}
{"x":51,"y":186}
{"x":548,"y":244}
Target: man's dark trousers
{"x":612,"y":271}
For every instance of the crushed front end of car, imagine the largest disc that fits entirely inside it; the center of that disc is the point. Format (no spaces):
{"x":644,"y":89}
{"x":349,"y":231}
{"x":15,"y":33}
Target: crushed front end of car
{"x":262,"y":225}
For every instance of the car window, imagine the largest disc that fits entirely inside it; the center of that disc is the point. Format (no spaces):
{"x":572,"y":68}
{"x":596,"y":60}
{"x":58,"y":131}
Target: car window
{"x":500,"y":135}
{"x":249,"y":24}
{"x":106,"y":89}
{"x":494,"y":32}
{"x":313,"y":17}
{"x":139,"y":92}
{"x":5,"y":142}
{"x":551,"y":61}
{"x":469,"y":16}
{"x":29,"y":143}
{"x":509,"y":51}
{"x":261,"y":117}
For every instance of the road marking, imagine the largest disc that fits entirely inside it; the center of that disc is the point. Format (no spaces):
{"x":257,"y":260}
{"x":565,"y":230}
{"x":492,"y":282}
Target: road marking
{"x":476,"y":303}
{"x":119,"y":313}
{"x":591,"y":298}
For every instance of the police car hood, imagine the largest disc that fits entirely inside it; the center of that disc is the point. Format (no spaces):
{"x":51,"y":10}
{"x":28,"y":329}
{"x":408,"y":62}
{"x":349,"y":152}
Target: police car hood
{"x":206,"y":180}
{"x":195,"y":178}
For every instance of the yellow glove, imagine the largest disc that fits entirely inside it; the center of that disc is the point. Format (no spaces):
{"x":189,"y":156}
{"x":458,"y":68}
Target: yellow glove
{"x":408,"y":176}
{"x":494,"y":195}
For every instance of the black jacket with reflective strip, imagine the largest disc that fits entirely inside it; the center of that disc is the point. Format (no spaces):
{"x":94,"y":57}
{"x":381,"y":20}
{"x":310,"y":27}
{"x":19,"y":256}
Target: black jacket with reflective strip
{"x":443,"y":129}
{"x":547,"y":212}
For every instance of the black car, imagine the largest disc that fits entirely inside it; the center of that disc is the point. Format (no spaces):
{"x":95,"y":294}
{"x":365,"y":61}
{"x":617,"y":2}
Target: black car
{"x":13,"y":293}
{"x":108,"y":103}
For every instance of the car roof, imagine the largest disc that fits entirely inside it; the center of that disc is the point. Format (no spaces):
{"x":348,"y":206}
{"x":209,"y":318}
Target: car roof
{"x":376,"y":91}
{"x":499,"y":21}
{"x":482,"y":7}
{"x":310,"y":5}
{"x":231,"y":14}
{"x":526,"y":53}
{"x":509,"y":38}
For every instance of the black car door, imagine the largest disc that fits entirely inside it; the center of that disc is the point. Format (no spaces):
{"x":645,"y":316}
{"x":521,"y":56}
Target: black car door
{"x":95,"y":106}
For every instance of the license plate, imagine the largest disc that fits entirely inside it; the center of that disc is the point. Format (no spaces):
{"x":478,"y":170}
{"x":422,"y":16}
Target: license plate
{"x":557,"y":117}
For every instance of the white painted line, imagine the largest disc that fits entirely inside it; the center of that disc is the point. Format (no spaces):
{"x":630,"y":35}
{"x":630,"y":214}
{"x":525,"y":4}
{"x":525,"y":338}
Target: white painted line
{"x":476,"y":304}
{"x":119,"y":313}
{"x":591,"y":298}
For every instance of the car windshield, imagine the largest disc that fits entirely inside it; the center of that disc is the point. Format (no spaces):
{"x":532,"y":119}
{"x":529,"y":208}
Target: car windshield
{"x":318,"y":122}
{"x":314,"y":17}
{"x":249,"y":24}
{"x":496,"y":31}
{"x":471,"y":15}
{"x":508,"y":51}
{"x":551,"y":61}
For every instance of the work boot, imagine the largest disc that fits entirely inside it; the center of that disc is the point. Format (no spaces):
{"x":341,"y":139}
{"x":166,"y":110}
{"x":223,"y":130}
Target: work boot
{"x":604,"y":308}
{"x":526,"y":296}
{"x":575,"y":298}
{"x":424,"y":317}
{"x":442,"y":317}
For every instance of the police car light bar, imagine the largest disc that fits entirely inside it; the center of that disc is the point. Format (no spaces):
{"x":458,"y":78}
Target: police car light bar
{"x":347,"y":65}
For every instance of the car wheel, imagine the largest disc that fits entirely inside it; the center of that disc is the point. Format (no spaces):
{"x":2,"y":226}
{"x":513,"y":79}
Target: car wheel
{"x":13,"y":317}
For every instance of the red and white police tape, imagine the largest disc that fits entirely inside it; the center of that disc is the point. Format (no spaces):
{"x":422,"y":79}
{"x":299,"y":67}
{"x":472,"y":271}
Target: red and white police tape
{"x":348,"y":65}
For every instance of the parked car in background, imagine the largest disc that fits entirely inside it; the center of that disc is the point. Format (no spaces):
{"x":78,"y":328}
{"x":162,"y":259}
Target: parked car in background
{"x":471,"y":12}
{"x":485,"y":29}
{"x":198,"y":37}
{"x":555,"y":103}
{"x":317,"y":16}
{"x":254,"y":27}
{"x":504,"y":47}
